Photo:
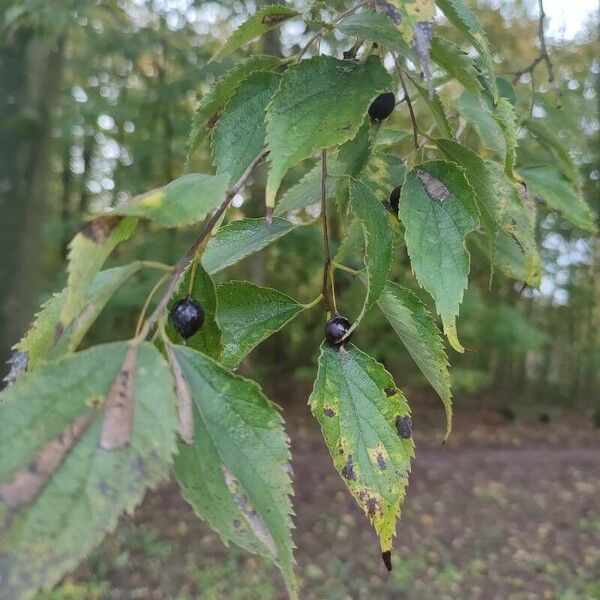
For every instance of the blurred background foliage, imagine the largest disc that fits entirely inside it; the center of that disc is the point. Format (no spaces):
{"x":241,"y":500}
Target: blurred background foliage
{"x":96,"y":103}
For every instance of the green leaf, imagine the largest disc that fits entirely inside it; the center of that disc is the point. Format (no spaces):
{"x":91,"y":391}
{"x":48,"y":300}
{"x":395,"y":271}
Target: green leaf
{"x":88,"y":251}
{"x":352,"y":246}
{"x":558,"y":192}
{"x":60,"y":491}
{"x":41,"y":342}
{"x":487,"y":127}
{"x":378,"y":28}
{"x":353,"y":156}
{"x":502,"y":206}
{"x":258,"y":24}
{"x":209,"y":338}
{"x":240,"y":133}
{"x":236,"y":473}
{"x":436,"y":107}
{"x":461,"y":16}
{"x":456,"y":63}
{"x":214,"y":100}
{"x":504,"y":113}
{"x":249,"y":314}
{"x":308,"y":190}
{"x":379,"y":240}
{"x":390,"y":136}
{"x":383,"y":173}
{"x":415,"y":326}
{"x":364,"y":419}
{"x":548,"y":138}
{"x":438,"y":209}
{"x":184,"y":201}
{"x":321,"y":103}
{"x":505,"y":253}
{"x":240,"y":239}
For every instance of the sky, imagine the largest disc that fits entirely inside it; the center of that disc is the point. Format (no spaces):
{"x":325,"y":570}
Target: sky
{"x":565,"y":18}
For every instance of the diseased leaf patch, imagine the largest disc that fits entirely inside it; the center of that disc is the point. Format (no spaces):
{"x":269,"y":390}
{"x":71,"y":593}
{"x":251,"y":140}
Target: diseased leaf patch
{"x":60,"y":492}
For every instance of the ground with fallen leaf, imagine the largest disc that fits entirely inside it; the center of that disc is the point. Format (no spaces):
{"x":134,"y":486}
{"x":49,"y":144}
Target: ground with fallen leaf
{"x":507,"y":509}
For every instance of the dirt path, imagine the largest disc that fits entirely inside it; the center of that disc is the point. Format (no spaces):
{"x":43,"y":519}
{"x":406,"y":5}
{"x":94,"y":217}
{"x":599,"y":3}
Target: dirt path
{"x":515,"y":518}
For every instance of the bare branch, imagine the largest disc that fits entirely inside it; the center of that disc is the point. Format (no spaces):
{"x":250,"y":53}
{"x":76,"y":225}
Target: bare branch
{"x":326,"y":285}
{"x":544,"y":56}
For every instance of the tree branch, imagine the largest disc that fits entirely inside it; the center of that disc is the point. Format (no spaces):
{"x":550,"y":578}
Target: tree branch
{"x":326,"y":285}
{"x":543,"y":56}
{"x":182,"y":264}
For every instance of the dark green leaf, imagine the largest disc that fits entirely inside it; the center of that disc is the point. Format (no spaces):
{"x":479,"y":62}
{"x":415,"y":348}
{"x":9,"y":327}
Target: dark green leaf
{"x":239,"y":135}
{"x":379,"y":239}
{"x":209,"y":338}
{"x":303,"y":118}
{"x":214,"y":100}
{"x":249,"y":314}
{"x":239,"y":239}
{"x":438,"y":210}
{"x":418,"y":331}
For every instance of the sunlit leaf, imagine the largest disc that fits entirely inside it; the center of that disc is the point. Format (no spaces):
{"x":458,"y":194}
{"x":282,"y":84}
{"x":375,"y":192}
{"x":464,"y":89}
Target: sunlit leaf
{"x":366,"y":424}
{"x":259,"y":23}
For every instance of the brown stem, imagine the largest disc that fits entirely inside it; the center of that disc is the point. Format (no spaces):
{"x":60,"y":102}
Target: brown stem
{"x":543,"y":56}
{"x":182,"y":264}
{"x":326,"y":285}
{"x":406,"y":98}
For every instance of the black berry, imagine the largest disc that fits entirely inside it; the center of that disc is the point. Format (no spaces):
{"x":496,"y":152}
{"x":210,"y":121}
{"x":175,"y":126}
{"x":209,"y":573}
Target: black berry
{"x":381,"y":108}
{"x":336,"y":328}
{"x":395,"y":199}
{"x":187,"y":317}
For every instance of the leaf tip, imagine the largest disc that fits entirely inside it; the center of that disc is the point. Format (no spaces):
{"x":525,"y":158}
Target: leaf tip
{"x":386,"y":556}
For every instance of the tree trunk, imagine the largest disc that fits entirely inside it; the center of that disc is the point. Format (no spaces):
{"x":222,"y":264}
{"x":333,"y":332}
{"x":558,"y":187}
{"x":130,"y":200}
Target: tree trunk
{"x":29,"y":71}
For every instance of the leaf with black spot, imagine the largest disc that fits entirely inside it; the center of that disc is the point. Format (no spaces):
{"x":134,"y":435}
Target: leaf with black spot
{"x":358,"y":406}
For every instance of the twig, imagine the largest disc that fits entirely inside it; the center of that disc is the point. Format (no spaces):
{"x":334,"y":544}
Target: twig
{"x":543,"y":56}
{"x":406,"y":98}
{"x":326,"y":285}
{"x":324,"y":30}
{"x":190,"y":253}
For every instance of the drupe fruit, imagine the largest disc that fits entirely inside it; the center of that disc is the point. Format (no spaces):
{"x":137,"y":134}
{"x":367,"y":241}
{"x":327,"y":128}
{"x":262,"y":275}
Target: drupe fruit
{"x":381,"y":108}
{"x":336,"y":328}
{"x":395,"y":199}
{"x":187,"y":316}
